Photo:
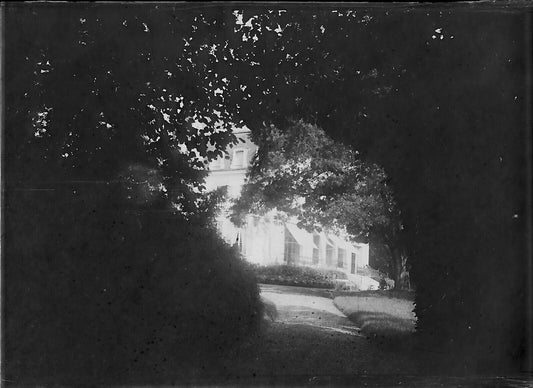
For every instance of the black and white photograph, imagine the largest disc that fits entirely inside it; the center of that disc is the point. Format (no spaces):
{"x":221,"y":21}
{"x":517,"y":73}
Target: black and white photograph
{"x":266,"y":194}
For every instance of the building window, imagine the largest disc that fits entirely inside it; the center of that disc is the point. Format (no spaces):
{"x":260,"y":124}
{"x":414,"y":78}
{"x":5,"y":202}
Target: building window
{"x":340,"y":258}
{"x":329,"y":254}
{"x":292,"y":249}
{"x":238,"y":159}
{"x":316,"y":241}
{"x":354,"y":263}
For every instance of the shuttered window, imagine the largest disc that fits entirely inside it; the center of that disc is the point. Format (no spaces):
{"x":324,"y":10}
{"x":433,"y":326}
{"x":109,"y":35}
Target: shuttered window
{"x":329,"y":254}
{"x":341,"y":256}
{"x":316,"y":241}
{"x":292,"y":249}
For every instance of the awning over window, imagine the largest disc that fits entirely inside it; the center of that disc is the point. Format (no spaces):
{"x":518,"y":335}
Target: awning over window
{"x":301,"y":236}
{"x":340,"y":243}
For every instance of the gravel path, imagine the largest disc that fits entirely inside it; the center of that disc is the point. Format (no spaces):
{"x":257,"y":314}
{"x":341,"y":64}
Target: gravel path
{"x":311,"y":341}
{"x":295,"y":308}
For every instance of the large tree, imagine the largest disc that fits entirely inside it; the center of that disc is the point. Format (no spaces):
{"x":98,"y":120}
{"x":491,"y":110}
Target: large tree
{"x":111,"y":113}
{"x":433,"y":95}
{"x":436,"y":97}
{"x":302,"y":172}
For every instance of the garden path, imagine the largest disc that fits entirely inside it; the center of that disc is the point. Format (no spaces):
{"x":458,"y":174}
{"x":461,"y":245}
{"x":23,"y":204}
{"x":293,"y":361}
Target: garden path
{"x":307,"y":307}
{"x":311,"y":342}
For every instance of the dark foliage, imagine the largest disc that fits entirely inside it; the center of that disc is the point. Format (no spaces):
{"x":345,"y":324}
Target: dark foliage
{"x":436,"y":97}
{"x":103,"y":273}
{"x":95,"y":293}
{"x":379,"y":258}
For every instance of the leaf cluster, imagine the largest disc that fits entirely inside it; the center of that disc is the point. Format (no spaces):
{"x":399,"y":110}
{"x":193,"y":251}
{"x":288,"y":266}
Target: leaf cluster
{"x":303,"y":172}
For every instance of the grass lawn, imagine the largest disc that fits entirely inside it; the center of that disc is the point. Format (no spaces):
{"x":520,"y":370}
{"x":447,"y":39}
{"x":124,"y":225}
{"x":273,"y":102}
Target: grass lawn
{"x":383,"y":313}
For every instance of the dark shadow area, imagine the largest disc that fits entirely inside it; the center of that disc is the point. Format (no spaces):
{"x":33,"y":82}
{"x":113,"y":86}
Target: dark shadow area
{"x":113,"y":271}
{"x":299,"y":349}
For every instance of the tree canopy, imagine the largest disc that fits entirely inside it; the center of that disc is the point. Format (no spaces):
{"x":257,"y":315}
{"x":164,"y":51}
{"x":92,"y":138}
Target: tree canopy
{"x":303,"y":173}
{"x":99,"y":92}
{"x":111,"y":114}
{"x":127,"y":101}
{"x":435,"y":96}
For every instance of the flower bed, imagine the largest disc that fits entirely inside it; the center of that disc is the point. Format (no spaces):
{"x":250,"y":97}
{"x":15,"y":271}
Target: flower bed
{"x":297,"y":276}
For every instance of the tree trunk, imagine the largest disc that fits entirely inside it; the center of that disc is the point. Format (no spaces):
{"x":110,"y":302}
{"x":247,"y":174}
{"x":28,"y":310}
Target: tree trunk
{"x":397,"y":268}
{"x":396,"y":256}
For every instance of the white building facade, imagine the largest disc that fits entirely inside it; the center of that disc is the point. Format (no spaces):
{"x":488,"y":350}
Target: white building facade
{"x":264,"y":240}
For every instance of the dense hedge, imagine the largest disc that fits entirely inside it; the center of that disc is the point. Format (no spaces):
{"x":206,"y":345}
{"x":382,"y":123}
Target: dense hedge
{"x":94,"y":293}
{"x":110,"y":267}
{"x":456,"y":155}
{"x":297,"y":276}
{"x":467,"y":206}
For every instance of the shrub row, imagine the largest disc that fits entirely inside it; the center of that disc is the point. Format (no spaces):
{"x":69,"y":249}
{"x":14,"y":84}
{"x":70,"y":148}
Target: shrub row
{"x":297,"y":276}
{"x":96,"y":294}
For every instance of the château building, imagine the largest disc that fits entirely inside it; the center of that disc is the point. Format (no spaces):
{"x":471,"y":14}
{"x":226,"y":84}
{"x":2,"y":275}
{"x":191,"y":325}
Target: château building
{"x":265,"y":240}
